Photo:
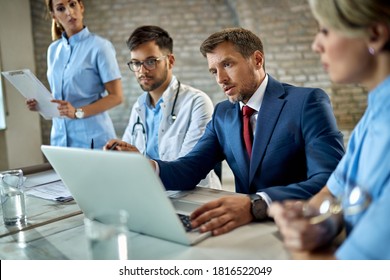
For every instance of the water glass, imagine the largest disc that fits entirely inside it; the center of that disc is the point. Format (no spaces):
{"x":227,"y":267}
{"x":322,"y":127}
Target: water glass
{"x":351,"y":204}
{"x":13,"y":197}
{"x":107,"y":235}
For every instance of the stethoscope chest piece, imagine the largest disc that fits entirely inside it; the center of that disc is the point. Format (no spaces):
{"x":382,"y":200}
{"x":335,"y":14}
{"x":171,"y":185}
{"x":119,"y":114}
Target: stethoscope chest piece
{"x":173,"y":116}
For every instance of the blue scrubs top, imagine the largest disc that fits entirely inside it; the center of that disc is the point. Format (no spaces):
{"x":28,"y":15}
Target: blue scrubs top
{"x":78,"y":68}
{"x":367,"y":164}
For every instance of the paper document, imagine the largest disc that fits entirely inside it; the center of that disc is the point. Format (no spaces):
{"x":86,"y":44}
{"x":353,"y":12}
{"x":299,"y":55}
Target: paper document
{"x":41,"y":178}
{"x":53,"y":191}
{"x":30,"y":87}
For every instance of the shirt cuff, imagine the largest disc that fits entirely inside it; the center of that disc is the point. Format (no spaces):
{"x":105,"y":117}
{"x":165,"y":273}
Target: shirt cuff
{"x":265,"y":197}
{"x":157,"y":168}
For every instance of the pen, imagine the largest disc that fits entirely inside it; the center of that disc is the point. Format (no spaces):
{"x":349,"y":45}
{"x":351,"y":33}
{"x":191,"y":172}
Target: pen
{"x":92,"y":144}
{"x":114,"y":146}
{"x":64,"y":199}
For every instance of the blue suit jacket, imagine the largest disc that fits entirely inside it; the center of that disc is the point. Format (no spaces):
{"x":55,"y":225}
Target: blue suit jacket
{"x":296,"y":147}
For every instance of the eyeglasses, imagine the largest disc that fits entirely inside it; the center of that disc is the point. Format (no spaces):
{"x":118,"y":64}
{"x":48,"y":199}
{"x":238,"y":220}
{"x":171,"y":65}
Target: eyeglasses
{"x":149,"y":64}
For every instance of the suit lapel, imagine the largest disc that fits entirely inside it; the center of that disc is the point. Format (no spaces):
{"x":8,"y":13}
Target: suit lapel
{"x":267,"y":119}
{"x":233,"y":129}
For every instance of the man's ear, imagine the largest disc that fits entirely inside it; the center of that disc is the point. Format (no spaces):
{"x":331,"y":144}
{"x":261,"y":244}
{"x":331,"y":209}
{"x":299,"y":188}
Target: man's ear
{"x":171,"y":59}
{"x":258,"y":57}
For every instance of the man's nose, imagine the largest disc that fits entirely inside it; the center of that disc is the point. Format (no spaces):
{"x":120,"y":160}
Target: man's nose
{"x":222,"y":77}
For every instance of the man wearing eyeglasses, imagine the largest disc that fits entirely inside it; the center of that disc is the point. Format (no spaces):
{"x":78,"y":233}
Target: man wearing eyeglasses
{"x":169,"y":118}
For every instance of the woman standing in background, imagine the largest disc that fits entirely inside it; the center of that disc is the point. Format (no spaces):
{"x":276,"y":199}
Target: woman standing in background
{"x":82,"y":67}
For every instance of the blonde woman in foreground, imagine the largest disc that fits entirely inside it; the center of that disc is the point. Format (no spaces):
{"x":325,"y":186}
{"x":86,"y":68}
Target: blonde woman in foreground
{"x":354,"y":44}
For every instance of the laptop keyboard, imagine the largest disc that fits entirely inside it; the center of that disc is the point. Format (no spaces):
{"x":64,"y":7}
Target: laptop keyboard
{"x":185,"y":219}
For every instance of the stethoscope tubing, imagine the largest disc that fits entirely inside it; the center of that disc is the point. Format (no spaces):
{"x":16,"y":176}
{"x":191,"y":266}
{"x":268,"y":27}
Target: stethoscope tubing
{"x":172,"y":115}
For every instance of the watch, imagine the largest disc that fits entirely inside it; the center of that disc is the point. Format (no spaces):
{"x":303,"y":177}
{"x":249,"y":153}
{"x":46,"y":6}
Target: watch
{"x":258,"y":207}
{"x":79,"y":114}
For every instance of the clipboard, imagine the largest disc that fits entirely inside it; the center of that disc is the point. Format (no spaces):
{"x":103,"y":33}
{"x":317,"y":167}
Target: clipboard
{"x":30,"y":87}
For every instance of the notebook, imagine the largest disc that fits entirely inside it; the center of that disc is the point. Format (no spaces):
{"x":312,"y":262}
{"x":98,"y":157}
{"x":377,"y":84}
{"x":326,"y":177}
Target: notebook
{"x":112,"y":180}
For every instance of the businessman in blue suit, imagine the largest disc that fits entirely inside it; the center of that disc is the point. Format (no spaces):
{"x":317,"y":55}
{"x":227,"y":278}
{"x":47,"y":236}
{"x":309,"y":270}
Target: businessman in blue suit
{"x":296,"y":142}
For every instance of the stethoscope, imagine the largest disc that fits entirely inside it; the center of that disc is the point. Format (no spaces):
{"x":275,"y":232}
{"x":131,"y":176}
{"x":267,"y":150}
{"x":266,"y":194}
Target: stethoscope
{"x":172,"y":116}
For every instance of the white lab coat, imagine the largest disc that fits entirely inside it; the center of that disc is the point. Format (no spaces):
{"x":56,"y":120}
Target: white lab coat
{"x":193,"y":111}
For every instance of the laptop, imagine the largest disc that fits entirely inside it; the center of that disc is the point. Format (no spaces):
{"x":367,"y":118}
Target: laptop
{"x":109,"y":180}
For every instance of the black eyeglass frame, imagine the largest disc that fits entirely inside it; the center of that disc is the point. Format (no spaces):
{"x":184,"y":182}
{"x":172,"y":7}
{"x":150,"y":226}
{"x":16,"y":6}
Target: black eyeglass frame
{"x":149,"y":64}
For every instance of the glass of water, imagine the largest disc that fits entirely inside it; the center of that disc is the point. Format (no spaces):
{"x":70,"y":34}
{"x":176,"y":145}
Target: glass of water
{"x":351,"y":204}
{"x":13,"y":197}
{"x":107,"y":235}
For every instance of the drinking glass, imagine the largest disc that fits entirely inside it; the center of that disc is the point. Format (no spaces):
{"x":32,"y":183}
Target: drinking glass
{"x":107,"y":235}
{"x":13,"y":197}
{"x":352,"y":204}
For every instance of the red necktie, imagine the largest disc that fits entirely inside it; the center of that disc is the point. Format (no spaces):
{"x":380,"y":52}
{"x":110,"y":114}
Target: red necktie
{"x":247,"y":128}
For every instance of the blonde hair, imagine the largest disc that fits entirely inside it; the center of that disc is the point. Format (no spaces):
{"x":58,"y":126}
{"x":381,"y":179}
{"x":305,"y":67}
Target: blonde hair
{"x":351,"y":17}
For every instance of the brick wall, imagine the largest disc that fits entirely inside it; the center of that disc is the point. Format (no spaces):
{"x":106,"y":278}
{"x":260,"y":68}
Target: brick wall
{"x":285,"y":26}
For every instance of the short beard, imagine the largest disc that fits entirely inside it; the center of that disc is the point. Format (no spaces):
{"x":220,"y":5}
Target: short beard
{"x":240,"y":97}
{"x":152,"y":87}
{"x":157,"y":84}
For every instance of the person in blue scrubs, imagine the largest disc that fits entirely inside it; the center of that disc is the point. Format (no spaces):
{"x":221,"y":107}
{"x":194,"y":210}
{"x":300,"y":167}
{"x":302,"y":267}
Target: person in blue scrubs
{"x":84,"y":78}
{"x":354,"y":44}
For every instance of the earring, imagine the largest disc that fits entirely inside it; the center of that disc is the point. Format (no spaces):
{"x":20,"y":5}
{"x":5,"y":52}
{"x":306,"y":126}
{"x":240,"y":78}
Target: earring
{"x":371,"y":50}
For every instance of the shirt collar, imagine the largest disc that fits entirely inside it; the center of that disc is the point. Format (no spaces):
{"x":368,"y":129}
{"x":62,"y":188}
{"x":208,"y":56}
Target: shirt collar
{"x":148,"y":103}
{"x":257,"y":98}
{"x":165,"y":93}
{"x":84,"y":33}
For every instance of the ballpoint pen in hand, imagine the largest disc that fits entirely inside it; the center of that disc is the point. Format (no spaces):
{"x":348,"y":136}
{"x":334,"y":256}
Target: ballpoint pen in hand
{"x":114,"y":146}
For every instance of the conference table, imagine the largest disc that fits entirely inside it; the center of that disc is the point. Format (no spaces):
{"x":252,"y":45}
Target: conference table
{"x":55,"y":231}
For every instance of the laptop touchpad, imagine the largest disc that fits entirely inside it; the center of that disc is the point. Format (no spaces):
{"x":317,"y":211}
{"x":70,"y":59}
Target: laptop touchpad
{"x":184,"y":206}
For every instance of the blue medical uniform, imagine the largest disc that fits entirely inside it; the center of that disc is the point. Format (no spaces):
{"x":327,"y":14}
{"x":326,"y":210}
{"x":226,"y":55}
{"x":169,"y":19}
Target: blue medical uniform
{"x":78,"y":68}
{"x":367,"y":164}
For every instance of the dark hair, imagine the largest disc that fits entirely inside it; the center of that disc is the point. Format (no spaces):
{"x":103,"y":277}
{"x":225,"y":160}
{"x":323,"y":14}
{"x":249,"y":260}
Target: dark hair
{"x":243,"y":40}
{"x":148,"y":33}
